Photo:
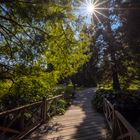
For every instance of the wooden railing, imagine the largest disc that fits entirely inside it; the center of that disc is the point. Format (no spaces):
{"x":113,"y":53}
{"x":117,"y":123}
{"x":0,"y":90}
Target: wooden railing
{"x":17,"y":123}
{"x":120,"y":127}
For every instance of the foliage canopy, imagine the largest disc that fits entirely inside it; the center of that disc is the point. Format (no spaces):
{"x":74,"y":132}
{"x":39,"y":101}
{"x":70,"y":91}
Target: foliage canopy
{"x":40,"y":43}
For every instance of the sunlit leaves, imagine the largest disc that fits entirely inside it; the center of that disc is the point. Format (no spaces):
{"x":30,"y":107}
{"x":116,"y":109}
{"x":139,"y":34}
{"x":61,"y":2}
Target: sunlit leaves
{"x":42,"y":42}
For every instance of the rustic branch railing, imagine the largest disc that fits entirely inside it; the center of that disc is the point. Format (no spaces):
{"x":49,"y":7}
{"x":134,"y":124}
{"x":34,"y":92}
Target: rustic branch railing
{"x":120,"y":127}
{"x":18,"y":122}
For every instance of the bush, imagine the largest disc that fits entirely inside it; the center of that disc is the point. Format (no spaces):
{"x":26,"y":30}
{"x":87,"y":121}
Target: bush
{"x":30,"y":89}
{"x":98,"y":98}
{"x":69,"y":94}
{"x":58,"y":107}
{"x":125,"y":97}
{"x":4,"y":87}
{"x":25,"y":90}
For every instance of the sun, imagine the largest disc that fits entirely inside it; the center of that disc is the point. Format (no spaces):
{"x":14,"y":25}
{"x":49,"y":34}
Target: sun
{"x":91,"y":8}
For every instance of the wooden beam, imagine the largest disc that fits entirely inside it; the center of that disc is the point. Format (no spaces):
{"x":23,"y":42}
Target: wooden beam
{"x":5,"y":129}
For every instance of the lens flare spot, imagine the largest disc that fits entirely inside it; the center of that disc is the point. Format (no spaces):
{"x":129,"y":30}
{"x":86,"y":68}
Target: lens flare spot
{"x":90,"y":8}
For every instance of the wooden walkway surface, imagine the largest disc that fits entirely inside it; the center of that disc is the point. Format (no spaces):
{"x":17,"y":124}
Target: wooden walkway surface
{"x":80,"y":122}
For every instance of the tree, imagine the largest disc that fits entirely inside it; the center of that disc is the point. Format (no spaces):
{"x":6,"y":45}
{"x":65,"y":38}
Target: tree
{"x":115,"y":58}
{"x":37,"y":45}
{"x":87,"y":73}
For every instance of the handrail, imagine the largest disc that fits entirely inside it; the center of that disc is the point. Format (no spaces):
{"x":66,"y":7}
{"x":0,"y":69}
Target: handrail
{"x":121,"y":128}
{"x":26,"y":106}
{"x":112,"y":107}
{"x":19,"y":108}
{"x":55,"y":97}
{"x":27,"y":118}
{"x":127,"y":124}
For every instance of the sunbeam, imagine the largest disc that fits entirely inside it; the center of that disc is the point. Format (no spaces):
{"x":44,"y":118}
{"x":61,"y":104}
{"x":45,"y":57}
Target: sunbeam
{"x":97,"y":18}
{"x":101,"y":3}
{"x":101,"y":14}
{"x":93,"y":8}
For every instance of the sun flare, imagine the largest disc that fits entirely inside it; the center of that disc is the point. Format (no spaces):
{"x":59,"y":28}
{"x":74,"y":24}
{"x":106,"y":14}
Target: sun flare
{"x":90,"y":8}
{"x":93,"y":9}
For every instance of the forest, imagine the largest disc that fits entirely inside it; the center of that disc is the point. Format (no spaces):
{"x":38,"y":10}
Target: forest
{"x":48,"y":47}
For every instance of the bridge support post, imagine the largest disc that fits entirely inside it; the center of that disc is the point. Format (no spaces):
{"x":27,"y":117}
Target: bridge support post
{"x":114,"y":124}
{"x":44,"y":110}
{"x":22,"y":119}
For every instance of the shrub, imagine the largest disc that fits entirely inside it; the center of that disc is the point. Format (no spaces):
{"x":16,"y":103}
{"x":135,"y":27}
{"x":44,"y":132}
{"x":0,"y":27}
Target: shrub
{"x":30,"y":89}
{"x":4,"y":87}
{"x":121,"y":97}
{"x":59,"y":106}
{"x":68,"y":94}
{"x":25,"y":90}
{"x":98,"y":98}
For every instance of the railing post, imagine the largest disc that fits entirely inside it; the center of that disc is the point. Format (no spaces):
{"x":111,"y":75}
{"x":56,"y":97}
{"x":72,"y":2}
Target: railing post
{"x":44,"y":110}
{"x":104,"y":105}
{"x":113,"y":124}
{"x":22,"y":120}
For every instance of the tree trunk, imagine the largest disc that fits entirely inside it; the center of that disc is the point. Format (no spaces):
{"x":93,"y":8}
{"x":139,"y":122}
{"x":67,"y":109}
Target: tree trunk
{"x":115,"y":78}
{"x":110,"y":39}
{"x":113,"y":45}
{"x":114,"y":69}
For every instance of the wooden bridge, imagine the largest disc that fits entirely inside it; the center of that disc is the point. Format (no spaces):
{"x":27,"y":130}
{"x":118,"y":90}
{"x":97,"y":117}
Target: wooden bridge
{"x":80,"y":121}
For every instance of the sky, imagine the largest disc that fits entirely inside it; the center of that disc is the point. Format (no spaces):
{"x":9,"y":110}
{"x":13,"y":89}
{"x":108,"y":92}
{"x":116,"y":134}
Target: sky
{"x":87,"y":11}
{"x":82,"y":11}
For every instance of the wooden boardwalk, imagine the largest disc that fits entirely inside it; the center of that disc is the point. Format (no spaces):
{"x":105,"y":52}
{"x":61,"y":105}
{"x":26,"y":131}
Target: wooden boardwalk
{"x":80,"y":122}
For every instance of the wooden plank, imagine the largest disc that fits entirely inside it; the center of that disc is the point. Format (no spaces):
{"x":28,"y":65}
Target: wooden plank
{"x":87,"y":126}
{"x":76,"y":124}
{"x":55,"y":97}
{"x":75,"y":133}
{"x":85,"y":137}
{"x":5,"y":129}
{"x":75,"y":118}
{"x":123,"y":136}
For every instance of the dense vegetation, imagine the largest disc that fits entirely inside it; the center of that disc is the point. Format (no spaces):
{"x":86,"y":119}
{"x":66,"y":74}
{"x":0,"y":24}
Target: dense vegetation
{"x":38,"y":48}
{"x":117,"y":40}
{"x":115,"y":47}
